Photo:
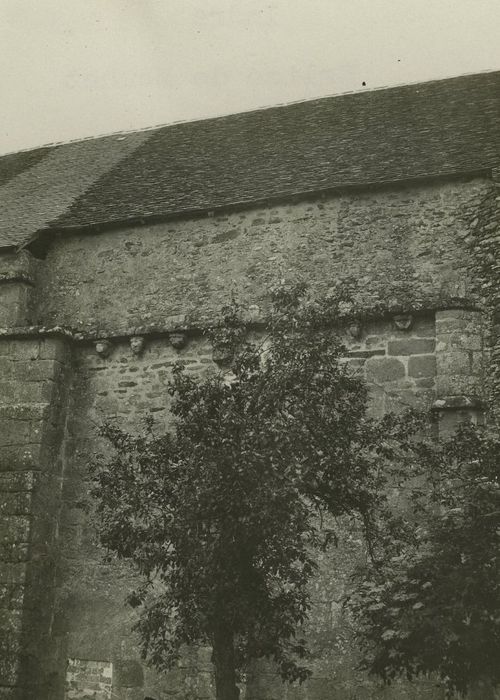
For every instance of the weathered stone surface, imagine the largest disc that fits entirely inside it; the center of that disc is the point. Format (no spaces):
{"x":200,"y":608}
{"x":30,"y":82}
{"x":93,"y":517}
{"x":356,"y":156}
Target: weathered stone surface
{"x":458,"y":340}
{"x":35,"y":391}
{"x":384,"y":369}
{"x":14,"y":528}
{"x":14,"y":299}
{"x":411,"y":346}
{"x":388,"y":240}
{"x":15,"y":503}
{"x":366,"y":353}
{"x":462,"y":321}
{"x":89,"y":679}
{"x":15,"y":482}
{"x":31,"y":428}
{"x":404,"y":246}
{"x":132,"y":694}
{"x":12,"y":595}
{"x":449,"y":384}
{"x":12,"y":573}
{"x":11,"y":626}
{"x":20,"y":457}
{"x":455,"y":362}
{"x":453,"y":403}
{"x":127,"y":673}
{"x":422,"y":366}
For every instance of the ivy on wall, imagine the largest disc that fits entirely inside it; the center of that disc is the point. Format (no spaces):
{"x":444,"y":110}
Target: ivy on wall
{"x":483,"y":243}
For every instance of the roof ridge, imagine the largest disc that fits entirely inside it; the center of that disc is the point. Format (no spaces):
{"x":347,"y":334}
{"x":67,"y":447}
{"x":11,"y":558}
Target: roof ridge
{"x":127,"y":132}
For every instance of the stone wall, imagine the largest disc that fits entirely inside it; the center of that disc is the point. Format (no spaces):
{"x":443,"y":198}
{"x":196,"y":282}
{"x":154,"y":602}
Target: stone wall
{"x":33,"y":392}
{"x":59,"y":599}
{"x":402,"y":245}
{"x":89,"y":680}
{"x":400,"y":365}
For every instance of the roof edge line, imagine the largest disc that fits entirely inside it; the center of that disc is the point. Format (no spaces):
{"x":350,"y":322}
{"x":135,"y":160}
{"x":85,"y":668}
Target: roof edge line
{"x":263,"y":108}
{"x":281,"y":197}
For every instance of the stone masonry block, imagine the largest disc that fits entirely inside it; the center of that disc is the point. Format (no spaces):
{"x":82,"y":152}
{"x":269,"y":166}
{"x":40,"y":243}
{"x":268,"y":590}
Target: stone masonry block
{"x":445,"y":326}
{"x":36,"y":371}
{"x":16,"y":482}
{"x":17,"y":264}
{"x":457,"y":315}
{"x":24,"y":349}
{"x":411,"y":346}
{"x":400,"y":400}
{"x":14,"y":304}
{"x":459,"y":340}
{"x":10,"y":647}
{"x":25,"y":412}
{"x":128,"y":673}
{"x":453,"y":384}
{"x":135,"y":694}
{"x":88,"y":679}
{"x":26,"y":392}
{"x":456,"y":362}
{"x":450,"y":321}
{"x":15,"y":503}
{"x":384,"y":369}
{"x":54,"y":349}
{"x":14,"y":528}
{"x":14,"y":552}
{"x":25,"y":370}
{"x":20,"y":457}
{"x":15,"y":432}
{"x":426,"y":382}
{"x":422,"y":366}
{"x":12,"y":573}
{"x":375,"y":341}
{"x":11,"y":595}
{"x":424,"y":328}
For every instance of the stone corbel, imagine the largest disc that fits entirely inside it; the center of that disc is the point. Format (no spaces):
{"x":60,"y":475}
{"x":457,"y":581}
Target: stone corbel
{"x":355,"y":330}
{"x":178,"y":340}
{"x":403,"y":322}
{"x":137,"y":343}
{"x":103,"y":348}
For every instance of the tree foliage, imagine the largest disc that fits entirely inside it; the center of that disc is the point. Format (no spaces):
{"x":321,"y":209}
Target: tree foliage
{"x":220,"y":513}
{"x":428,"y":602}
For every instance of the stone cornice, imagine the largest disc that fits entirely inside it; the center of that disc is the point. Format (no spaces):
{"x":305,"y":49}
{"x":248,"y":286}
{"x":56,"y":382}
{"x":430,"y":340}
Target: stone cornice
{"x":254,"y":319}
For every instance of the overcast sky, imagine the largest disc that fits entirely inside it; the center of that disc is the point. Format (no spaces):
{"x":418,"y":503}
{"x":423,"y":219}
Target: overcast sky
{"x":76,"y":68}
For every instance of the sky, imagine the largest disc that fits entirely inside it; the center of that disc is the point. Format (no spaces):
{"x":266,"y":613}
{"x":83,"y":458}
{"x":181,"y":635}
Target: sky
{"x":78,"y":68}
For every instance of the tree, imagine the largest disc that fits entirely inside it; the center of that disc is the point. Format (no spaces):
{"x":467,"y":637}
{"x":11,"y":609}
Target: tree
{"x":428,"y":602}
{"x":221,"y":514}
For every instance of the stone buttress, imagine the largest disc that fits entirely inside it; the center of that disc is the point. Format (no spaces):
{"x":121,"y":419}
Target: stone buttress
{"x":33,"y":388}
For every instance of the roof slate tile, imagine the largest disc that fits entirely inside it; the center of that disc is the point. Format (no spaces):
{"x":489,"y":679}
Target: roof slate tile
{"x":432,"y":129}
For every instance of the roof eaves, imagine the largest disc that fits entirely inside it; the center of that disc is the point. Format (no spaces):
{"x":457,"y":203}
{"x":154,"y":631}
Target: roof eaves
{"x":251,"y":202}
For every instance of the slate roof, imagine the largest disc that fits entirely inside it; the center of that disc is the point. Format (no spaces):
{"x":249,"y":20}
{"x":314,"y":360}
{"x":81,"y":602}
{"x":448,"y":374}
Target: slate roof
{"x":438,"y":128}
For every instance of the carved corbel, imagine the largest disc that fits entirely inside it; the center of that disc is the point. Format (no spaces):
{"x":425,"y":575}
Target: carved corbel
{"x":178,"y":340}
{"x":137,"y":343}
{"x":355,"y":330}
{"x":103,"y":348}
{"x":403,"y":322}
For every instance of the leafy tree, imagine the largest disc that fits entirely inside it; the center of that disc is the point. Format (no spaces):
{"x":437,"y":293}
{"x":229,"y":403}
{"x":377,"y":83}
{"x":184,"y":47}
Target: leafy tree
{"x":428,"y":602}
{"x":221,"y":513}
